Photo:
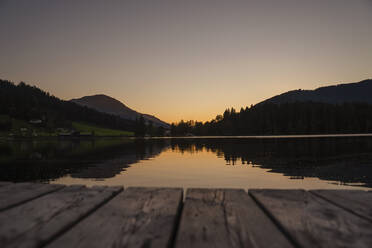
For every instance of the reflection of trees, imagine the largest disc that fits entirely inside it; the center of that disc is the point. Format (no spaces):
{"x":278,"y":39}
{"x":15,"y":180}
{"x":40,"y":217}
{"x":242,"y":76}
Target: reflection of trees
{"x":122,"y":159}
{"x":347,"y":160}
{"x":80,"y":158}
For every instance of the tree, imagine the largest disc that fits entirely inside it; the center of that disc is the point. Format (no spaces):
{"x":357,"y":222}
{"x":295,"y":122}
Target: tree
{"x":27,"y":102}
{"x":285,"y":118}
{"x":160,"y":131}
{"x":140,"y":128}
{"x":150,"y":128}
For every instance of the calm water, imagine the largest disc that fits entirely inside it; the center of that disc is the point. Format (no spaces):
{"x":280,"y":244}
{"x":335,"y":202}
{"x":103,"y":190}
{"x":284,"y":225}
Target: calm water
{"x":316,"y":162}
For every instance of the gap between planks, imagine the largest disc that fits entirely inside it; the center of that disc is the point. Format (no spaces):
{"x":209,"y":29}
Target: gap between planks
{"x":178,"y":230}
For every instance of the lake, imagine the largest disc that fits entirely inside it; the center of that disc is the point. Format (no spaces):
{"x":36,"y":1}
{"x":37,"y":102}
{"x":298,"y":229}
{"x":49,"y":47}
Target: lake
{"x":220,"y":162}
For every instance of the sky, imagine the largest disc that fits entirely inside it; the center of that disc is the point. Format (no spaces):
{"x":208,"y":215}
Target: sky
{"x":188,"y":59}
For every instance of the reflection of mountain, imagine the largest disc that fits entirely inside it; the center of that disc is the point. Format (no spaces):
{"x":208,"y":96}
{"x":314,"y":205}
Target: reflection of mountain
{"x":44,"y":161}
{"x":347,"y":160}
{"x":107,"y":168}
{"x":123,"y":159}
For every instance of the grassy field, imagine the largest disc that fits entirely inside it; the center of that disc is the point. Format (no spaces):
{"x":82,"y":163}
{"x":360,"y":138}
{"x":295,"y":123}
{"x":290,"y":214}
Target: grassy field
{"x":33,"y":131}
{"x":84,"y":128}
{"x":17,"y":125}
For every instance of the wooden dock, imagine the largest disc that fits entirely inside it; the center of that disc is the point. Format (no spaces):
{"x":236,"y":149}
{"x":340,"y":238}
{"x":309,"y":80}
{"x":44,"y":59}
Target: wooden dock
{"x":46,"y":215}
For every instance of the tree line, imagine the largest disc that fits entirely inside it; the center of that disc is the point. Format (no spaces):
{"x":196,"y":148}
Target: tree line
{"x":143,"y":128}
{"x":27,"y":102}
{"x":284,"y":119}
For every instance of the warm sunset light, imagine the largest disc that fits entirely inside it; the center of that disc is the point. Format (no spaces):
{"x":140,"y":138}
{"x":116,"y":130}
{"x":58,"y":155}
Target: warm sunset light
{"x":184,"y":59}
{"x":186,"y":123}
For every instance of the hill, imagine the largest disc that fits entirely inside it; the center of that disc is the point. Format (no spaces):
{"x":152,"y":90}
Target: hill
{"x":107,"y":104}
{"x":352,"y":92}
{"x":344,"y":108}
{"x":31,"y":104}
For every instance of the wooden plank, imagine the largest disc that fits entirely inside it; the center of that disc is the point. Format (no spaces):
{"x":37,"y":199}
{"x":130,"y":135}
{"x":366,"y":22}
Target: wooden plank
{"x":314,"y":222}
{"x":36,"y":222}
{"x":138,"y":217}
{"x":226,"y":218}
{"x":14,"y":194}
{"x":356,"y":201}
{"x":4,"y":183}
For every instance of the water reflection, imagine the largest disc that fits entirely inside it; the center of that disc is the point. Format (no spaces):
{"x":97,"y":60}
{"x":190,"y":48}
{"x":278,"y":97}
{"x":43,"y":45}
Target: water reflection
{"x":47,"y":160}
{"x":241,"y":162}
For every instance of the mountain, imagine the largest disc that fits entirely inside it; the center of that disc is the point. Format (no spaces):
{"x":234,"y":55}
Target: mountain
{"x":336,"y":94}
{"x":25,"y":102}
{"x":109,"y":105}
{"x":339,"y":109}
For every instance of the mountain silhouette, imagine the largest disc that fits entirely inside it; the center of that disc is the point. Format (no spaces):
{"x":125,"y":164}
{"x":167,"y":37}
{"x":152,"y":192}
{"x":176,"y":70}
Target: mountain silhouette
{"x":352,"y":92}
{"x":109,"y":105}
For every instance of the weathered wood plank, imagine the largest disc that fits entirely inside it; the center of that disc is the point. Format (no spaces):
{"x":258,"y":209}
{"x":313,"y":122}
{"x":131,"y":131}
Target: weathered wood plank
{"x":14,"y":194}
{"x":356,"y":201}
{"x":314,"y":222}
{"x":4,"y":183}
{"x":36,"y":222}
{"x":226,"y":218}
{"x":138,"y":217}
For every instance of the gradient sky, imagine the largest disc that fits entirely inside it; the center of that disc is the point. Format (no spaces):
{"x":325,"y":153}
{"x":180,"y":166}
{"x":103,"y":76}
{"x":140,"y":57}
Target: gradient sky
{"x":187,"y":59}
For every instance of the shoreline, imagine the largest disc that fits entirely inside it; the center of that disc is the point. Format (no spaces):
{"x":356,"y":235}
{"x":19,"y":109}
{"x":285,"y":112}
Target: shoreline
{"x":291,"y":136}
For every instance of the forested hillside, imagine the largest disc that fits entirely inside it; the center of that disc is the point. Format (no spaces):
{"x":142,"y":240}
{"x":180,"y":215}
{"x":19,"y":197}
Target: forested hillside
{"x":109,"y":105}
{"x":336,"y":94}
{"x":287,"y":118}
{"x":343,"y":108}
{"x":25,"y":102}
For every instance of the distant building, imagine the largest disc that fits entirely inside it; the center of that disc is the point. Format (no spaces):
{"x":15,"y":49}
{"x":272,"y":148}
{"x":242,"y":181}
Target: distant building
{"x":35,"y":121}
{"x":69,"y":134}
{"x":74,"y":134}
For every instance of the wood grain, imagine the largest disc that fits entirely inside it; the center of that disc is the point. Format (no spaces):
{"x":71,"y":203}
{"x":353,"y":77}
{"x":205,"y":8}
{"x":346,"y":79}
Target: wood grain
{"x":226,"y":218}
{"x":314,"y":222}
{"x":4,"y":183}
{"x":14,"y":194}
{"x":36,"y":222}
{"x":138,"y":217}
{"x":356,"y":201}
